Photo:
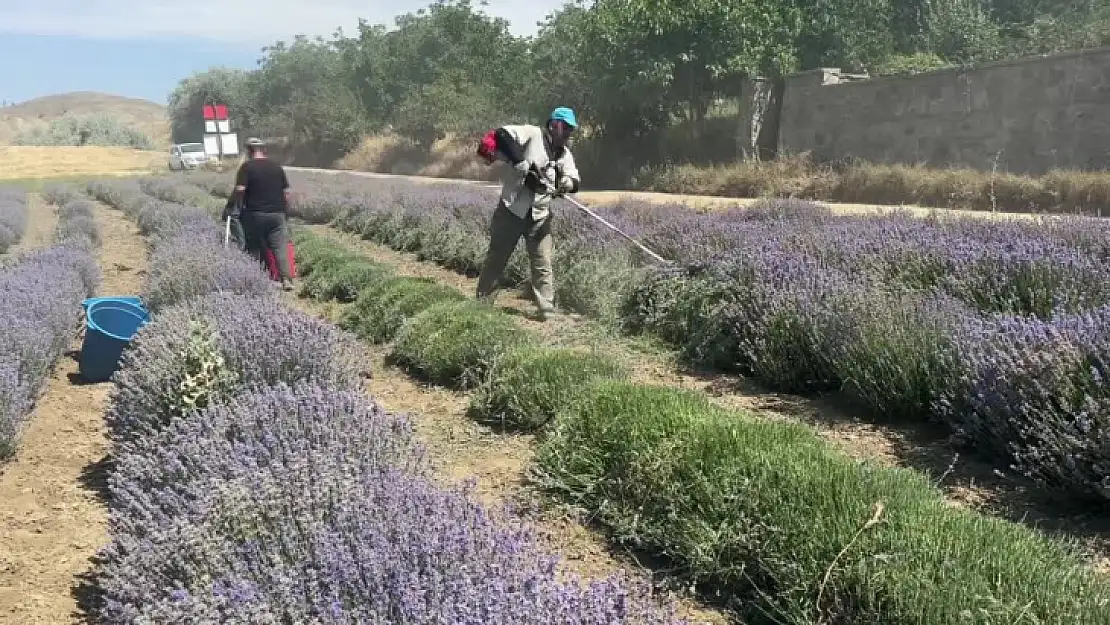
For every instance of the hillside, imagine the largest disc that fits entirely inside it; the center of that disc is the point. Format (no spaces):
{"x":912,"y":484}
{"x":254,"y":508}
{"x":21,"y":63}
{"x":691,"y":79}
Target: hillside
{"x":149,"y":117}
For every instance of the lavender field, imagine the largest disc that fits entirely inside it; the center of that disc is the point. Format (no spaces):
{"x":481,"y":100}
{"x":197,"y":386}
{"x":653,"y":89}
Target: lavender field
{"x":995,"y":328}
{"x":245,"y":451}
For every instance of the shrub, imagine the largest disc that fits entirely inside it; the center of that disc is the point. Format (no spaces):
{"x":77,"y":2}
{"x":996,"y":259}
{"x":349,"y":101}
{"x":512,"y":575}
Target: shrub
{"x":59,"y":194}
{"x":173,"y":190}
{"x":13,"y":217}
{"x":343,"y":281}
{"x":455,"y":343}
{"x":897,"y":354}
{"x":314,"y":252}
{"x":75,"y":207}
{"x":1035,"y":391}
{"x":288,"y":504}
{"x":789,"y":530}
{"x":209,"y":347}
{"x":379,"y":312}
{"x":159,"y":220}
{"x":42,"y":295}
{"x":123,"y":195}
{"x":74,"y":130}
{"x":184,"y":267}
{"x":528,"y":387}
{"x":80,"y":231}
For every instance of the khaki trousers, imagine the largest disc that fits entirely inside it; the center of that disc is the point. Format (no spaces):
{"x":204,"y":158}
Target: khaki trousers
{"x":505,"y":231}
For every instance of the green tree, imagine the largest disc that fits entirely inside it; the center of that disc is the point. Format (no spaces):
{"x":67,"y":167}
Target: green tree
{"x":218,"y":84}
{"x":303,"y":95}
{"x":633,"y":69}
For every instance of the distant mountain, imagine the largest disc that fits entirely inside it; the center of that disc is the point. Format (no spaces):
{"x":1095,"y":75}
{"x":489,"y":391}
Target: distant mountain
{"x":149,"y":117}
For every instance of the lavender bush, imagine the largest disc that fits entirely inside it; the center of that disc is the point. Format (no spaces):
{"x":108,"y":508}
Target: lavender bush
{"x":42,"y":295}
{"x":312,"y":505}
{"x":158,"y":219}
{"x":789,"y":530}
{"x":74,"y":206}
{"x":122,"y":194}
{"x":175,"y":192}
{"x":190,"y":265}
{"x":454,"y":343}
{"x":13,"y":217}
{"x":76,"y":223}
{"x":188,"y":258}
{"x":59,"y":194}
{"x":209,"y":347}
{"x":1036,"y":392}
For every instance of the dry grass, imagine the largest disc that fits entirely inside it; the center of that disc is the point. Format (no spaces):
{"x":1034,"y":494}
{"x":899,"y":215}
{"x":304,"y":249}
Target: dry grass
{"x":861,"y":185}
{"x":452,"y":157}
{"x":1070,"y":192}
{"x":143,"y":115}
{"x":23,"y":162}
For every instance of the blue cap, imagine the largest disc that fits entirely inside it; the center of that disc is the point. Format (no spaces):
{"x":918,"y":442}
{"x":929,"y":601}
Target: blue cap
{"x":564,"y":114}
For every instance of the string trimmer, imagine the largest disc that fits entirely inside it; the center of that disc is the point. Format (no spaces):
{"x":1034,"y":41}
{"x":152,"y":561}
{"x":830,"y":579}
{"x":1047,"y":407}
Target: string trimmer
{"x":582,"y":207}
{"x":542,"y":180}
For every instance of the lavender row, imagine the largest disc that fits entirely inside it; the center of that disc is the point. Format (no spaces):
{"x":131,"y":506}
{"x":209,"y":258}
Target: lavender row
{"x":188,"y":258}
{"x":13,"y":217}
{"x":255,"y":482}
{"x":42,"y":295}
{"x":1027,"y":266}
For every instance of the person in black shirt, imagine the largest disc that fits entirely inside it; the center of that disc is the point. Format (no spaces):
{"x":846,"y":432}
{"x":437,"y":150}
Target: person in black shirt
{"x":262,"y":189}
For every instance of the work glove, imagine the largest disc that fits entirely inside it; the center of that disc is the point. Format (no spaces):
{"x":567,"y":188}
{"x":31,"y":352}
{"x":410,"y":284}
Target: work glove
{"x":566,"y":185}
{"x":537,"y":182}
{"x":524,"y":166}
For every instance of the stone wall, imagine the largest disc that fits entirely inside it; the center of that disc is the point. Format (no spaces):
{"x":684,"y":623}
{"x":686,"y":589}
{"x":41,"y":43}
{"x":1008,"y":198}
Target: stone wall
{"x":1026,"y":116}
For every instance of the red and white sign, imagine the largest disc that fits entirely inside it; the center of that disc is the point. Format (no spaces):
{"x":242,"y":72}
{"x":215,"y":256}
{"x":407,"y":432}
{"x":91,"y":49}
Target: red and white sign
{"x":218,"y":111}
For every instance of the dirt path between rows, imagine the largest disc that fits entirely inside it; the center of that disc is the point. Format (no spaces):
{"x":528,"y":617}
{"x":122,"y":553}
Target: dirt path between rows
{"x":41,"y":220}
{"x":966,"y":481}
{"x":460,"y":450}
{"x":52,"y":513}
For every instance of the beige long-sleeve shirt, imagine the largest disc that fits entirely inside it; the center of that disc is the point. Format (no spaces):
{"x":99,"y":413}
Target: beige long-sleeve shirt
{"x":518,"y":198}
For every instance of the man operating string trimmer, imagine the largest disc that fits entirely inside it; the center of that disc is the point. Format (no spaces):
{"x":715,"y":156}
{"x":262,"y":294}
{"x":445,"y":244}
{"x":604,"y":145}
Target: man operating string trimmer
{"x":543,"y":168}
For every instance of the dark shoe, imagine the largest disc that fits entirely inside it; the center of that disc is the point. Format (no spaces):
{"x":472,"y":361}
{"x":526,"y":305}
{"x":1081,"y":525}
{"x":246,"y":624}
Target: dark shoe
{"x":287,"y":285}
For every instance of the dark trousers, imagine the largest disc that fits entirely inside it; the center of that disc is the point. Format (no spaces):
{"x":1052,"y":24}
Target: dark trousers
{"x":267,"y":231}
{"x":505,"y":231}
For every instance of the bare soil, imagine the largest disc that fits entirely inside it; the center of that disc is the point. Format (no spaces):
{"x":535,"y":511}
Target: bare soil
{"x":52,"y":513}
{"x":965,"y":480}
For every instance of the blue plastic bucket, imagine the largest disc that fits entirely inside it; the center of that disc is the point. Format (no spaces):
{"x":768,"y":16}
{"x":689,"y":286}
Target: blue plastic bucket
{"x":126,"y":299}
{"x":110,"y":325}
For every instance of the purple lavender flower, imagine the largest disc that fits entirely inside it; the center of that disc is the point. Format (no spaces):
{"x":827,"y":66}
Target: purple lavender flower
{"x":209,"y":347}
{"x":193,"y":263}
{"x":42,"y":295}
{"x":13,"y":217}
{"x":307,"y":504}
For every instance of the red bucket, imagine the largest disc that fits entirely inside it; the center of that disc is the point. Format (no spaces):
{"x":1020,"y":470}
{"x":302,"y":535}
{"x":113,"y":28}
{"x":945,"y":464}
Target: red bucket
{"x":271,"y":263}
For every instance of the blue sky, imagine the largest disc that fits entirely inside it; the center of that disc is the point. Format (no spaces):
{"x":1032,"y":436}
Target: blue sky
{"x":55,"y":46}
